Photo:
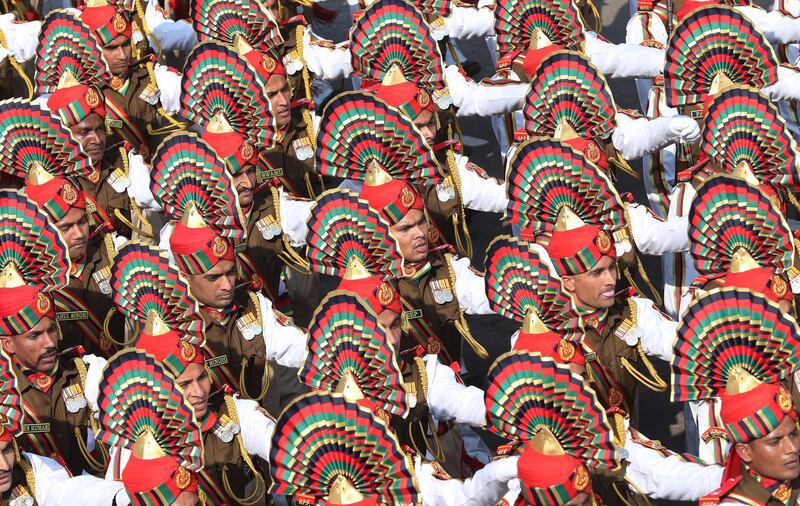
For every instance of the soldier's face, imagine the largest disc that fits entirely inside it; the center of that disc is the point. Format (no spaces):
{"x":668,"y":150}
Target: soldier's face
{"x":272,"y":7}
{"x":35,"y":349}
{"x":187,"y":499}
{"x":391,"y":323}
{"x":245,"y":183}
{"x":7,"y":460}
{"x":196,"y":386}
{"x":118,"y":55}
{"x":426,"y":123}
{"x":214,"y":287}
{"x":74,"y":228}
{"x":582,"y":499}
{"x":412,"y":234}
{"x":594,"y":289}
{"x":91,"y":133}
{"x":776,"y":456}
{"x":280,"y":98}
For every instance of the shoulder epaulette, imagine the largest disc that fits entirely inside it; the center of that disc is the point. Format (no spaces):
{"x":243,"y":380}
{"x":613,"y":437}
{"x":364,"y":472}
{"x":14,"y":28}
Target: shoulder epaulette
{"x":714,"y":497}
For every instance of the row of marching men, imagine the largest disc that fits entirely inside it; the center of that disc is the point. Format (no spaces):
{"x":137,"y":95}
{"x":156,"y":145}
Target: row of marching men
{"x":563,"y":293}
{"x":409,"y":193}
{"x":380,"y":435}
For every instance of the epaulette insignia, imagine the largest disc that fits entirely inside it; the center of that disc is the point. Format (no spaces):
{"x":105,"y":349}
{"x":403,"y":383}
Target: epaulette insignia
{"x":714,"y":433}
{"x":714,"y":497}
{"x":477,"y":169}
{"x":282,"y":318}
{"x":438,"y":472}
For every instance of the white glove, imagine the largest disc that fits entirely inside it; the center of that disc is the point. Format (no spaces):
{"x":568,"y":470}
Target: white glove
{"x":655,"y":331}
{"x":169,"y":84}
{"x":683,"y":129}
{"x":654,"y":236}
{"x":469,"y":22}
{"x":624,"y":60}
{"x":256,"y":427}
{"x":483,"y":99}
{"x":634,"y":138}
{"x":295,"y":213}
{"x":22,"y":38}
{"x":139,"y":183}
{"x":787,"y":87}
{"x":94,"y":373}
{"x":776,"y":27}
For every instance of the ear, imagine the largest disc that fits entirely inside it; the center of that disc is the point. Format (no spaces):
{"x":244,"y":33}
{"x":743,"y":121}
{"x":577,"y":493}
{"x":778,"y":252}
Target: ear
{"x":743,"y":450}
{"x":8,"y":344}
{"x":569,"y":283}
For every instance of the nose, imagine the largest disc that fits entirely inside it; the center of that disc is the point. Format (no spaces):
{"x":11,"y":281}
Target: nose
{"x":93,"y":138}
{"x":5,"y":465}
{"x":792,"y":445}
{"x":50,"y":338}
{"x":79,"y":233}
{"x":283,"y":98}
{"x":227,"y":282}
{"x":428,"y":132}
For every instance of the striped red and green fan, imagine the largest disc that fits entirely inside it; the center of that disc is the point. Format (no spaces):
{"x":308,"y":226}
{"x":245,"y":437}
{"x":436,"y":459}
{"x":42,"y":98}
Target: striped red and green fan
{"x":138,"y":395}
{"x":715,"y":40}
{"x":545,"y":175}
{"x":527,"y":393}
{"x":321,"y":437}
{"x":31,"y":243}
{"x":31,"y":136}
{"x":216,"y":80}
{"x":520,"y":278}
{"x":187,"y":171}
{"x":144,"y":281}
{"x":741,"y":125}
{"x":728,"y":215}
{"x":344,"y":338}
{"x":726,"y":331}
{"x":343,"y":227}
{"x":11,"y":413}
{"x":394,"y":33}
{"x":224,"y":20}
{"x":515,"y":21}
{"x":358,"y":130}
{"x":434,"y":8}
{"x":67,"y":44}
{"x":566,"y":87}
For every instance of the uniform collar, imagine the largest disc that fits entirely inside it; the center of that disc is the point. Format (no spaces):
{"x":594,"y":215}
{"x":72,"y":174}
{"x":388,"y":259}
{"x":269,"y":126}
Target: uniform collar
{"x":595,"y":318}
{"x":415,"y":271}
{"x":220,"y":316}
{"x":780,"y":491}
{"x":41,"y":381}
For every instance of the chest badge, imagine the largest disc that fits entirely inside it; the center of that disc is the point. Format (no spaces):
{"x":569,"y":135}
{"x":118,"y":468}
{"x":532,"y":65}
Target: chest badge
{"x":441,"y":290}
{"x":74,"y":398}
{"x":249,"y":326}
{"x":268,"y":227}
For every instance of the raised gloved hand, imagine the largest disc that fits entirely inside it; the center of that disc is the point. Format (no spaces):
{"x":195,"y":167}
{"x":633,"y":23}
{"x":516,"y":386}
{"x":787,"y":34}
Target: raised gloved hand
{"x":684,"y":129}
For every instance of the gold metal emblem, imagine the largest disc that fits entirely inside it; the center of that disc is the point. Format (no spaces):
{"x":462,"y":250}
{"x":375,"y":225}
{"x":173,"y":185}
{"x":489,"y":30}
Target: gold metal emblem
{"x":43,"y":303}
{"x":92,"y":98}
{"x":407,"y":197}
{"x":219,"y":247}
{"x":69,"y":193}
{"x":581,"y":478}
{"x":120,"y":23}
{"x":603,"y":242}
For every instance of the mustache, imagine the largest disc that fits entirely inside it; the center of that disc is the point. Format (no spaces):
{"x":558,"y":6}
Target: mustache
{"x":49,"y":353}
